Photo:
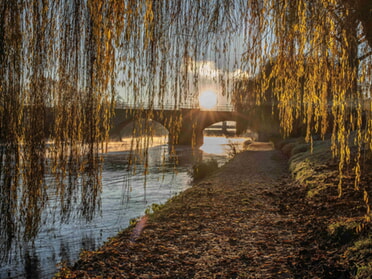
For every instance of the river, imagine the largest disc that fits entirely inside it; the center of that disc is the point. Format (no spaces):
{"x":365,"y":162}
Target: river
{"x":124,"y":196}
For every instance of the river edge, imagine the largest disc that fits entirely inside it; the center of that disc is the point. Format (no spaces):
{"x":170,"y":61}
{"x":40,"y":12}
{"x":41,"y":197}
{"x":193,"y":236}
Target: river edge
{"x":248,"y":220}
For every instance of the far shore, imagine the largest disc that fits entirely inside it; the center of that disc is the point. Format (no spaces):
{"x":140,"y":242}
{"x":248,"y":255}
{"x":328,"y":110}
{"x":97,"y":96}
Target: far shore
{"x":126,"y":144}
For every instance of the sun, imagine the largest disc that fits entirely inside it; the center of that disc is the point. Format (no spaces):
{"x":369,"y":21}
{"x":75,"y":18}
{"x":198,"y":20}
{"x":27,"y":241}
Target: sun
{"x":208,"y":99}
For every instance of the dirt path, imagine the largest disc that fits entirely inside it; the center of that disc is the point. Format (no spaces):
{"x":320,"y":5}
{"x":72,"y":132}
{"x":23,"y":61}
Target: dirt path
{"x":231,"y":225}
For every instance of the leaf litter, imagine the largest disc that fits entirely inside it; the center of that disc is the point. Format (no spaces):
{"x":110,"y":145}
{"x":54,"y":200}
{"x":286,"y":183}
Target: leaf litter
{"x":248,"y":220}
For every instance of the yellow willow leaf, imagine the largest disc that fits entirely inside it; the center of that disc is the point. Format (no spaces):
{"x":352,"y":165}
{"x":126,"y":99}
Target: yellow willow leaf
{"x":365,"y":196}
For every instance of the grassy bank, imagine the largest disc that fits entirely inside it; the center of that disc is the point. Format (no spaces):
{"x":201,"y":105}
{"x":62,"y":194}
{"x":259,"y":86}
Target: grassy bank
{"x":343,"y":231}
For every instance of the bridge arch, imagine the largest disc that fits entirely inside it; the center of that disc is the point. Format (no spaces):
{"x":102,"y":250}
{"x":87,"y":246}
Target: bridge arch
{"x":227,"y":128}
{"x":208,"y":118}
{"x":138,"y":127}
{"x":185,"y":126}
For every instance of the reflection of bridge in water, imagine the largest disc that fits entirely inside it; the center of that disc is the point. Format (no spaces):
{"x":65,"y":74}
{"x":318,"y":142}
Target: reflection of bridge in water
{"x":185,"y":125}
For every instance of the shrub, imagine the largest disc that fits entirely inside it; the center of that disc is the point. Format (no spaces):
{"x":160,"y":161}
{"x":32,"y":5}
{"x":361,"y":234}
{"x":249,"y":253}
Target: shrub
{"x":342,"y":232}
{"x":287,"y":149}
{"x":300,"y":148}
{"x":234,"y":149}
{"x":247,"y":143}
{"x":203,"y":169}
{"x":280,"y":144}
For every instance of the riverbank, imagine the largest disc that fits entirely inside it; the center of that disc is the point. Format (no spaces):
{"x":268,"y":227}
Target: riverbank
{"x":338,"y":231}
{"x":248,"y":220}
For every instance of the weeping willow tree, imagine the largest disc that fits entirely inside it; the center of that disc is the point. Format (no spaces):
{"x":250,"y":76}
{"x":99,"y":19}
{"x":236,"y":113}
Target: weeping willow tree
{"x":56,"y":77}
{"x":62,"y":64}
{"x":315,"y":71}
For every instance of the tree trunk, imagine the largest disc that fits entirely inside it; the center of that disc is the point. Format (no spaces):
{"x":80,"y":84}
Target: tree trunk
{"x":363,"y":12}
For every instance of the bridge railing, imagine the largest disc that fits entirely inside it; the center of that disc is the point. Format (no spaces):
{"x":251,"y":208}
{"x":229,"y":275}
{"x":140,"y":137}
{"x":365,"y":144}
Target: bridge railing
{"x":172,"y":107}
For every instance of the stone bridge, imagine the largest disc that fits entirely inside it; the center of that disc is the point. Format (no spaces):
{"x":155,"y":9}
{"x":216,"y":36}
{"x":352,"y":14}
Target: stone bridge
{"x":185,"y":126}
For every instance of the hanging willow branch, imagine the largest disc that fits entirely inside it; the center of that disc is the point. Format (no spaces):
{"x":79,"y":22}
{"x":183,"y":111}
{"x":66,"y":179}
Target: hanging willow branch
{"x":62,"y":64}
{"x":309,"y":69}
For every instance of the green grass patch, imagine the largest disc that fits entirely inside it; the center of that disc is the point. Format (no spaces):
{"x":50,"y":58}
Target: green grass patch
{"x":360,"y":255}
{"x":300,"y":148}
{"x":153,"y":208}
{"x":343,"y":232}
{"x":312,"y":169}
{"x":317,"y":170}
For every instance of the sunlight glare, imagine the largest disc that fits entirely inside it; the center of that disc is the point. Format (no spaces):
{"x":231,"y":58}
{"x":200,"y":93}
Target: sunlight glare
{"x":208,"y":99}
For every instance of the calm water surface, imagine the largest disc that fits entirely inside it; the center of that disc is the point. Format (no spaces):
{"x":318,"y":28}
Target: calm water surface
{"x":124,"y":197}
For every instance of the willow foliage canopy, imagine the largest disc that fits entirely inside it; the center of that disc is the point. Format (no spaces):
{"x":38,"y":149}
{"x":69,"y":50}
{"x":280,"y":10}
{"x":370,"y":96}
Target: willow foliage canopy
{"x":62,"y":63}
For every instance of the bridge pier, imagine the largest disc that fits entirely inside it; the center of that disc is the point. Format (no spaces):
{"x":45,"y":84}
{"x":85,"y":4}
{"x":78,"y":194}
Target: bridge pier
{"x":190,"y":132}
{"x":187,"y":136}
